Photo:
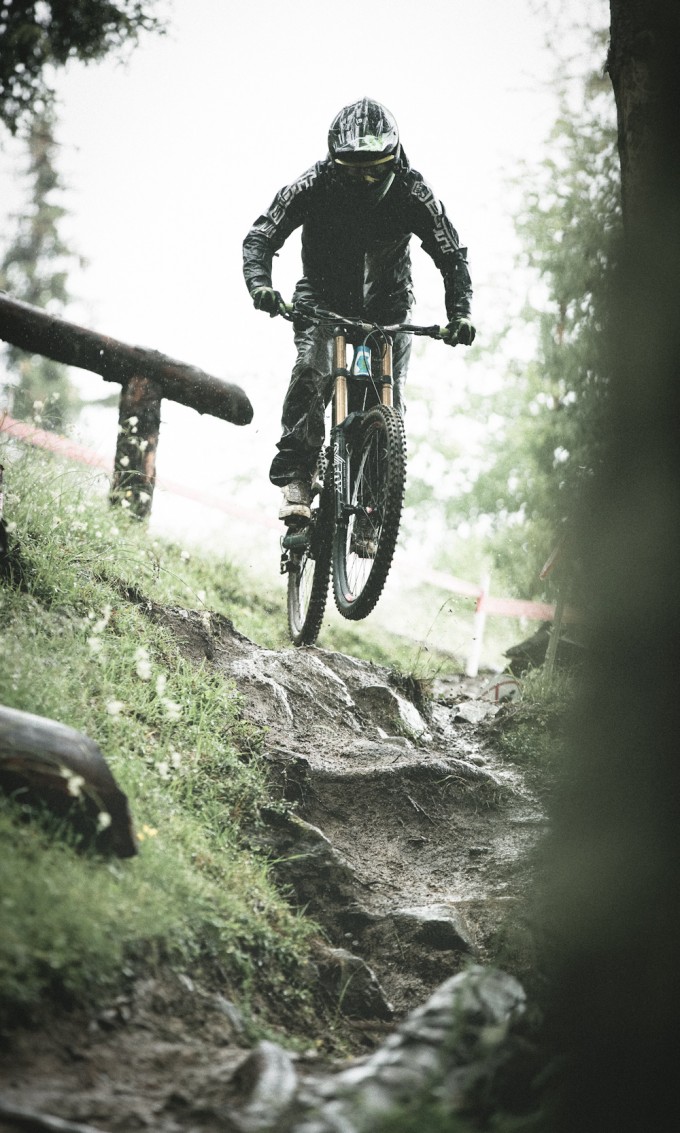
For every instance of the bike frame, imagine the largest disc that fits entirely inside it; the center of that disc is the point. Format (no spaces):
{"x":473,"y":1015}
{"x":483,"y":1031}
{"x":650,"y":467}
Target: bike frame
{"x":342,"y":380}
{"x":344,"y":332}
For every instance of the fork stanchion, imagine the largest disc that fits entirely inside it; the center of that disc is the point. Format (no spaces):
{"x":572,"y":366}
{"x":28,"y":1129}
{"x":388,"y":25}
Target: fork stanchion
{"x":339,"y":371}
{"x":386,"y":395}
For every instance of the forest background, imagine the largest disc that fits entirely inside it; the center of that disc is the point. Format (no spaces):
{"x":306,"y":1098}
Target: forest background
{"x":126,"y":202}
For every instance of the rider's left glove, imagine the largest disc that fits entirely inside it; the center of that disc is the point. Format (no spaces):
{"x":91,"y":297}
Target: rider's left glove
{"x":267,"y":299}
{"x":460,"y":331}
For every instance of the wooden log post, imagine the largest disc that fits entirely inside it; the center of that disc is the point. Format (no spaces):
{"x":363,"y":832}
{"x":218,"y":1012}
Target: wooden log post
{"x":145,"y":376}
{"x":134,"y":469}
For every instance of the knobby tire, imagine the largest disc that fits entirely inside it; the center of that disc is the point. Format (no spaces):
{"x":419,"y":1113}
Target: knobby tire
{"x":377,"y":469}
{"x":309,"y":574}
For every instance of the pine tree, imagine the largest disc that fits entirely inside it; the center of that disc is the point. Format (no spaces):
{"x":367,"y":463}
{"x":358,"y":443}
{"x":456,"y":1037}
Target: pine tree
{"x":34,"y":269}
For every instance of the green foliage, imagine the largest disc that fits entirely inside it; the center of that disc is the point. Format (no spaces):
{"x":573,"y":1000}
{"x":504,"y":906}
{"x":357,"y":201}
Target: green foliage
{"x":552,"y":408}
{"x":77,"y":650}
{"x":507,"y":495}
{"x":36,"y":37}
{"x":34,"y":269}
{"x":531,"y":730}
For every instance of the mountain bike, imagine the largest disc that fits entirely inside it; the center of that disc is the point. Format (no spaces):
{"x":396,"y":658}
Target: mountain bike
{"x":358,"y":488}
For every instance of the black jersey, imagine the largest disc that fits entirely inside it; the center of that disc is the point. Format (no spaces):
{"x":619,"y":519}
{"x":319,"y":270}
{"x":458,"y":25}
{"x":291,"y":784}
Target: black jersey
{"x":355,"y":255}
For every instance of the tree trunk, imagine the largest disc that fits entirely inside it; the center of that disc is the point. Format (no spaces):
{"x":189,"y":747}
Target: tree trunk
{"x":611,"y":904}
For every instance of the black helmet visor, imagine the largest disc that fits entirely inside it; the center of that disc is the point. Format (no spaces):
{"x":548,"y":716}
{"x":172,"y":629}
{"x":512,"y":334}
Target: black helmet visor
{"x":358,"y":169}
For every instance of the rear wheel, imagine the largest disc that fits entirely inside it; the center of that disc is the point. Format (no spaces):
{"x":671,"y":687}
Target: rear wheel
{"x":364,"y":543}
{"x":308,"y":573}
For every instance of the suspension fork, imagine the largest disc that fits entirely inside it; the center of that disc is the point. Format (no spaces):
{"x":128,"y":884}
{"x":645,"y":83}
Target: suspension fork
{"x":338,"y":441}
{"x":341,"y":375}
{"x":386,"y":379}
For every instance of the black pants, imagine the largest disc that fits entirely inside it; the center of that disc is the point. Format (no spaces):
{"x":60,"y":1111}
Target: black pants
{"x":309,"y":392}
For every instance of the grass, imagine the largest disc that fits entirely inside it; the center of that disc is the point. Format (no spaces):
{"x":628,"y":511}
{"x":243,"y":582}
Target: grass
{"x":196,"y":896}
{"x":531,"y":730}
{"x":76,"y":649}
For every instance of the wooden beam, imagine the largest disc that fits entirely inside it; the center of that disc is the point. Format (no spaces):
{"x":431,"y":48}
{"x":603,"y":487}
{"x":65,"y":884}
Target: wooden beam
{"x":34,"y":330}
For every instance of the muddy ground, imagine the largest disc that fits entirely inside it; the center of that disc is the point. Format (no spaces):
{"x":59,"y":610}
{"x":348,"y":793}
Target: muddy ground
{"x":407,"y":836}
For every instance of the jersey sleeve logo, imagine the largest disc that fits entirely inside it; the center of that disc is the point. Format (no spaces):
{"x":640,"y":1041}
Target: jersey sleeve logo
{"x":442,"y":230}
{"x":283,"y":200}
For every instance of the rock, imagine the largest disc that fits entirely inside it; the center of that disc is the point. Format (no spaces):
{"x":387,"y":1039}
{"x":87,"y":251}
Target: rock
{"x":389,"y":710}
{"x":446,"y":1044}
{"x":268,"y":1080}
{"x":321,"y":878}
{"x":354,"y":985}
{"x":439,"y":926}
{"x":472,"y":711}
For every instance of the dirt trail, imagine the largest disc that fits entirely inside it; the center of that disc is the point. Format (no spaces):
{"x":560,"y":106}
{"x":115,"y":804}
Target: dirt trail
{"x":406,"y":838}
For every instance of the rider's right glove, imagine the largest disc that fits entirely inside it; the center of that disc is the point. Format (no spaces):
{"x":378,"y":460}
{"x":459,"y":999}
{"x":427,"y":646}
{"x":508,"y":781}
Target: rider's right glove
{"x":460,"y":331}
{"x":267,"y":299}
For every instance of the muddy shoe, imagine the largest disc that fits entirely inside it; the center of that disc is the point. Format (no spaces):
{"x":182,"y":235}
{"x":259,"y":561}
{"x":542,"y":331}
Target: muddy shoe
{"x":297,"y":496}
{"x":363,"y":542}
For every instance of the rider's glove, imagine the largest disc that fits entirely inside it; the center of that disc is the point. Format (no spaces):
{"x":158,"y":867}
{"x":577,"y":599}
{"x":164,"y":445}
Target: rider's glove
{"x":267,"y":299}
{"x":460,"y":331}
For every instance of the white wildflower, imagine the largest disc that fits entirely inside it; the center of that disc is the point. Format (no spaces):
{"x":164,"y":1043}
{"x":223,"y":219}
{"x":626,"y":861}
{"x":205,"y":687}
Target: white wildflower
{"x":124,"y":461}
{"x":115,"y":707}
{"x":161,"y":681}
{"x":101,"y":625}
{"x":143,"y":664}
{"x":96,"y":645}
{"x":163,"y":769}
{"x":74,"y":784}
{"x":173,"y":710}
{"x":103,"y":820}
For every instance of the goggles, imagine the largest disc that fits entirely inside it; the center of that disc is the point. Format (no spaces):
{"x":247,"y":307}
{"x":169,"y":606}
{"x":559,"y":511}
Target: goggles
{"x":370,"y":172}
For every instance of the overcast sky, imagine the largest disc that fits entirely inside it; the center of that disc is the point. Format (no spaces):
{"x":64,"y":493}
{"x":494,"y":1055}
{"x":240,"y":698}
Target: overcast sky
{"x":169,"y":159}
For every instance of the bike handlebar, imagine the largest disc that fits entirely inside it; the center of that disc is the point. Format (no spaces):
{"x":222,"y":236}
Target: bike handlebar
{"x":318,"y":315}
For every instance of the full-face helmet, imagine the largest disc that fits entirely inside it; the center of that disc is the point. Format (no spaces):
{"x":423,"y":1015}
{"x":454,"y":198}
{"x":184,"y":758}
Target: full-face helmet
{"x":363,"y":143}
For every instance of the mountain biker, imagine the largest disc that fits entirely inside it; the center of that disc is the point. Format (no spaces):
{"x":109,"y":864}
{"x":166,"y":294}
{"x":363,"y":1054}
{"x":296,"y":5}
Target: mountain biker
{"x":358,"y":208}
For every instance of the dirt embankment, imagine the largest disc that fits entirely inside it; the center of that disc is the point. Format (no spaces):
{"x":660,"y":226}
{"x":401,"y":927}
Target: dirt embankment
{"x":406,"y":837}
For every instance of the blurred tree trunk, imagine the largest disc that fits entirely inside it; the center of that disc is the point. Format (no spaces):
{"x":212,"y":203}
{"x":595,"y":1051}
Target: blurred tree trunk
{"x":611,"y":903}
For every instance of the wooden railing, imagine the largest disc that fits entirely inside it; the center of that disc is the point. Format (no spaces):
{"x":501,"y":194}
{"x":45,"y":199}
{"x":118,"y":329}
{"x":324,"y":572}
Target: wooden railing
{"x":145,"y":376}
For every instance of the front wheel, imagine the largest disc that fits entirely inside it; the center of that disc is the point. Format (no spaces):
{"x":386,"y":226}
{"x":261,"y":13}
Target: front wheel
{"x":364,"y":541}
{"x":309,"y":572}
